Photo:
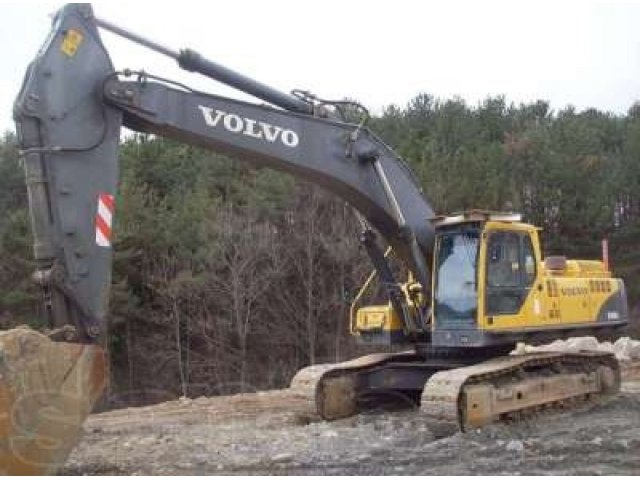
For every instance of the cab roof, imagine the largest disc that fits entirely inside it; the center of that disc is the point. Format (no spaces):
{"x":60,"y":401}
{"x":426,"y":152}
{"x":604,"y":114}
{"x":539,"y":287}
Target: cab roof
{"x":475,"y":216}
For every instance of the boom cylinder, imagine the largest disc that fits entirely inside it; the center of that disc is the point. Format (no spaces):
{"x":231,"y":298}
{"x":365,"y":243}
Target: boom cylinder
{"x":192,"y":61}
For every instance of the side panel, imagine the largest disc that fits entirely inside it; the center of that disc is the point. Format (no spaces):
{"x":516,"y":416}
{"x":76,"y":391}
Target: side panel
{"x":557,"y":302}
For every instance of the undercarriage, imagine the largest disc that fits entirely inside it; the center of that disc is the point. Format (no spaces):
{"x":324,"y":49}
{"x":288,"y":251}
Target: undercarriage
{"x":457,"y":392}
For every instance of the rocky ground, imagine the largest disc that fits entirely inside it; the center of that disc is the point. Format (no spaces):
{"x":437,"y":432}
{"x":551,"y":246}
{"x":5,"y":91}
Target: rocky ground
{"x":268,"y":433}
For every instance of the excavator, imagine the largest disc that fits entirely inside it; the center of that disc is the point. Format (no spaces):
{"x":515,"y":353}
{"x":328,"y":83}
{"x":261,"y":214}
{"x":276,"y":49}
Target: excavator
{"x":477,"y":281}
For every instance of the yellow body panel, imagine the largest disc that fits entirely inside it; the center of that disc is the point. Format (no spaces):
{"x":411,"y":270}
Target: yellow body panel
{"x":574,"y":295}
{"x":377,"y":318}
{"x":561,"y":301}
{"x":383,"y":318}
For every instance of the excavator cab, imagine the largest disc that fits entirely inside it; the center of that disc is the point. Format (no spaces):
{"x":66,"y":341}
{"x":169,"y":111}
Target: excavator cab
{"x":492,"y":288}
{"x":484,"y":270}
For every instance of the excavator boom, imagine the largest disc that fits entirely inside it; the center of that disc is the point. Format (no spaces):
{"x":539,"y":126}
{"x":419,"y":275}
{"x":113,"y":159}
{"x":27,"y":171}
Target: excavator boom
{"x":69,"y":113}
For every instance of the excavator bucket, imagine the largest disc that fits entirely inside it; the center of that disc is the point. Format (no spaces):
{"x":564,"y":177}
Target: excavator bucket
{"x":47,"y":389}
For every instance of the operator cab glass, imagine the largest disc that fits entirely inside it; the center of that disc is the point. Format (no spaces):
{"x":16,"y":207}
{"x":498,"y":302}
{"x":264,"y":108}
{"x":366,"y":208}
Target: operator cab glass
{"x":456,"y":285}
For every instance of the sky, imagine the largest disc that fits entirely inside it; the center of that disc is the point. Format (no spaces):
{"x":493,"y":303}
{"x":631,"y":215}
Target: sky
{"x":581,"y":53}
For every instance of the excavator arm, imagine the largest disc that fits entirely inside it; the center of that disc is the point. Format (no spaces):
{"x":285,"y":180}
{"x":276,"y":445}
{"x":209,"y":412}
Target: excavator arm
{"x":69,"y":115}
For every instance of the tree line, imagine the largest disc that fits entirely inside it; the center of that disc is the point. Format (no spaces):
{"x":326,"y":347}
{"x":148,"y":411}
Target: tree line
{"x":230,"y":278}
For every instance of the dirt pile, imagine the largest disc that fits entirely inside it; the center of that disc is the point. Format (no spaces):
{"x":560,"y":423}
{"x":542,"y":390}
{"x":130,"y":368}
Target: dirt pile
{"x":256,"y":434}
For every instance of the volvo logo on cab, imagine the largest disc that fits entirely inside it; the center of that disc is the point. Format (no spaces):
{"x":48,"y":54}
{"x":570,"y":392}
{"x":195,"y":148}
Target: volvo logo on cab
{"x":247,"y":126}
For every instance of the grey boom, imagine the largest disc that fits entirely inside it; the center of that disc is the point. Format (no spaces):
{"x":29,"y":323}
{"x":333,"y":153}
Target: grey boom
{"x":69,"y":113}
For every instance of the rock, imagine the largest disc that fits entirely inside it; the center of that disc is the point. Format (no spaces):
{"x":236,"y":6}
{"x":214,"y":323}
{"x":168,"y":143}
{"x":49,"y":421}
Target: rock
{"x":582,"y":343}
{"x":556,"y":346}
{"x":597,"y":441}
{"x":623,"y":443}
{"x":362,"y":457}
{"x":282,"y":457}
{"x":626,"y":348}
{"x":515,"y":446}
{"x":147,"y":440}
{"x":606,"y":347}
{"x":330,"y":434}
{"x":200,"y":459}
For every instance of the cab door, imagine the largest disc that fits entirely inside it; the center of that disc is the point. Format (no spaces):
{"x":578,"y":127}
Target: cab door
{"x":510,"y":277}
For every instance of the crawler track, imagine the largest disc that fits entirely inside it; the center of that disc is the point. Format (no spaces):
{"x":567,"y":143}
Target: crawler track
{"x":455,"y":396}
{"x":332,"y":390}
{"x":508,"y":388}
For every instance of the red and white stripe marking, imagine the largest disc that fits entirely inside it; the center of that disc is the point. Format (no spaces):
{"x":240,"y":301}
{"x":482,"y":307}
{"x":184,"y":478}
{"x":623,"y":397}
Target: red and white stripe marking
{"x":104,"y":218}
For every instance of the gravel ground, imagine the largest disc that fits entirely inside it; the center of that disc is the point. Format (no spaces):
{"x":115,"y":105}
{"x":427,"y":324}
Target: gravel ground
{"x":267,"y":433}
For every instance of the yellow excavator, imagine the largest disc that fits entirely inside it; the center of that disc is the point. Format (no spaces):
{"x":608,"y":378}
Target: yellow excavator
{"x":477,"y":285}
